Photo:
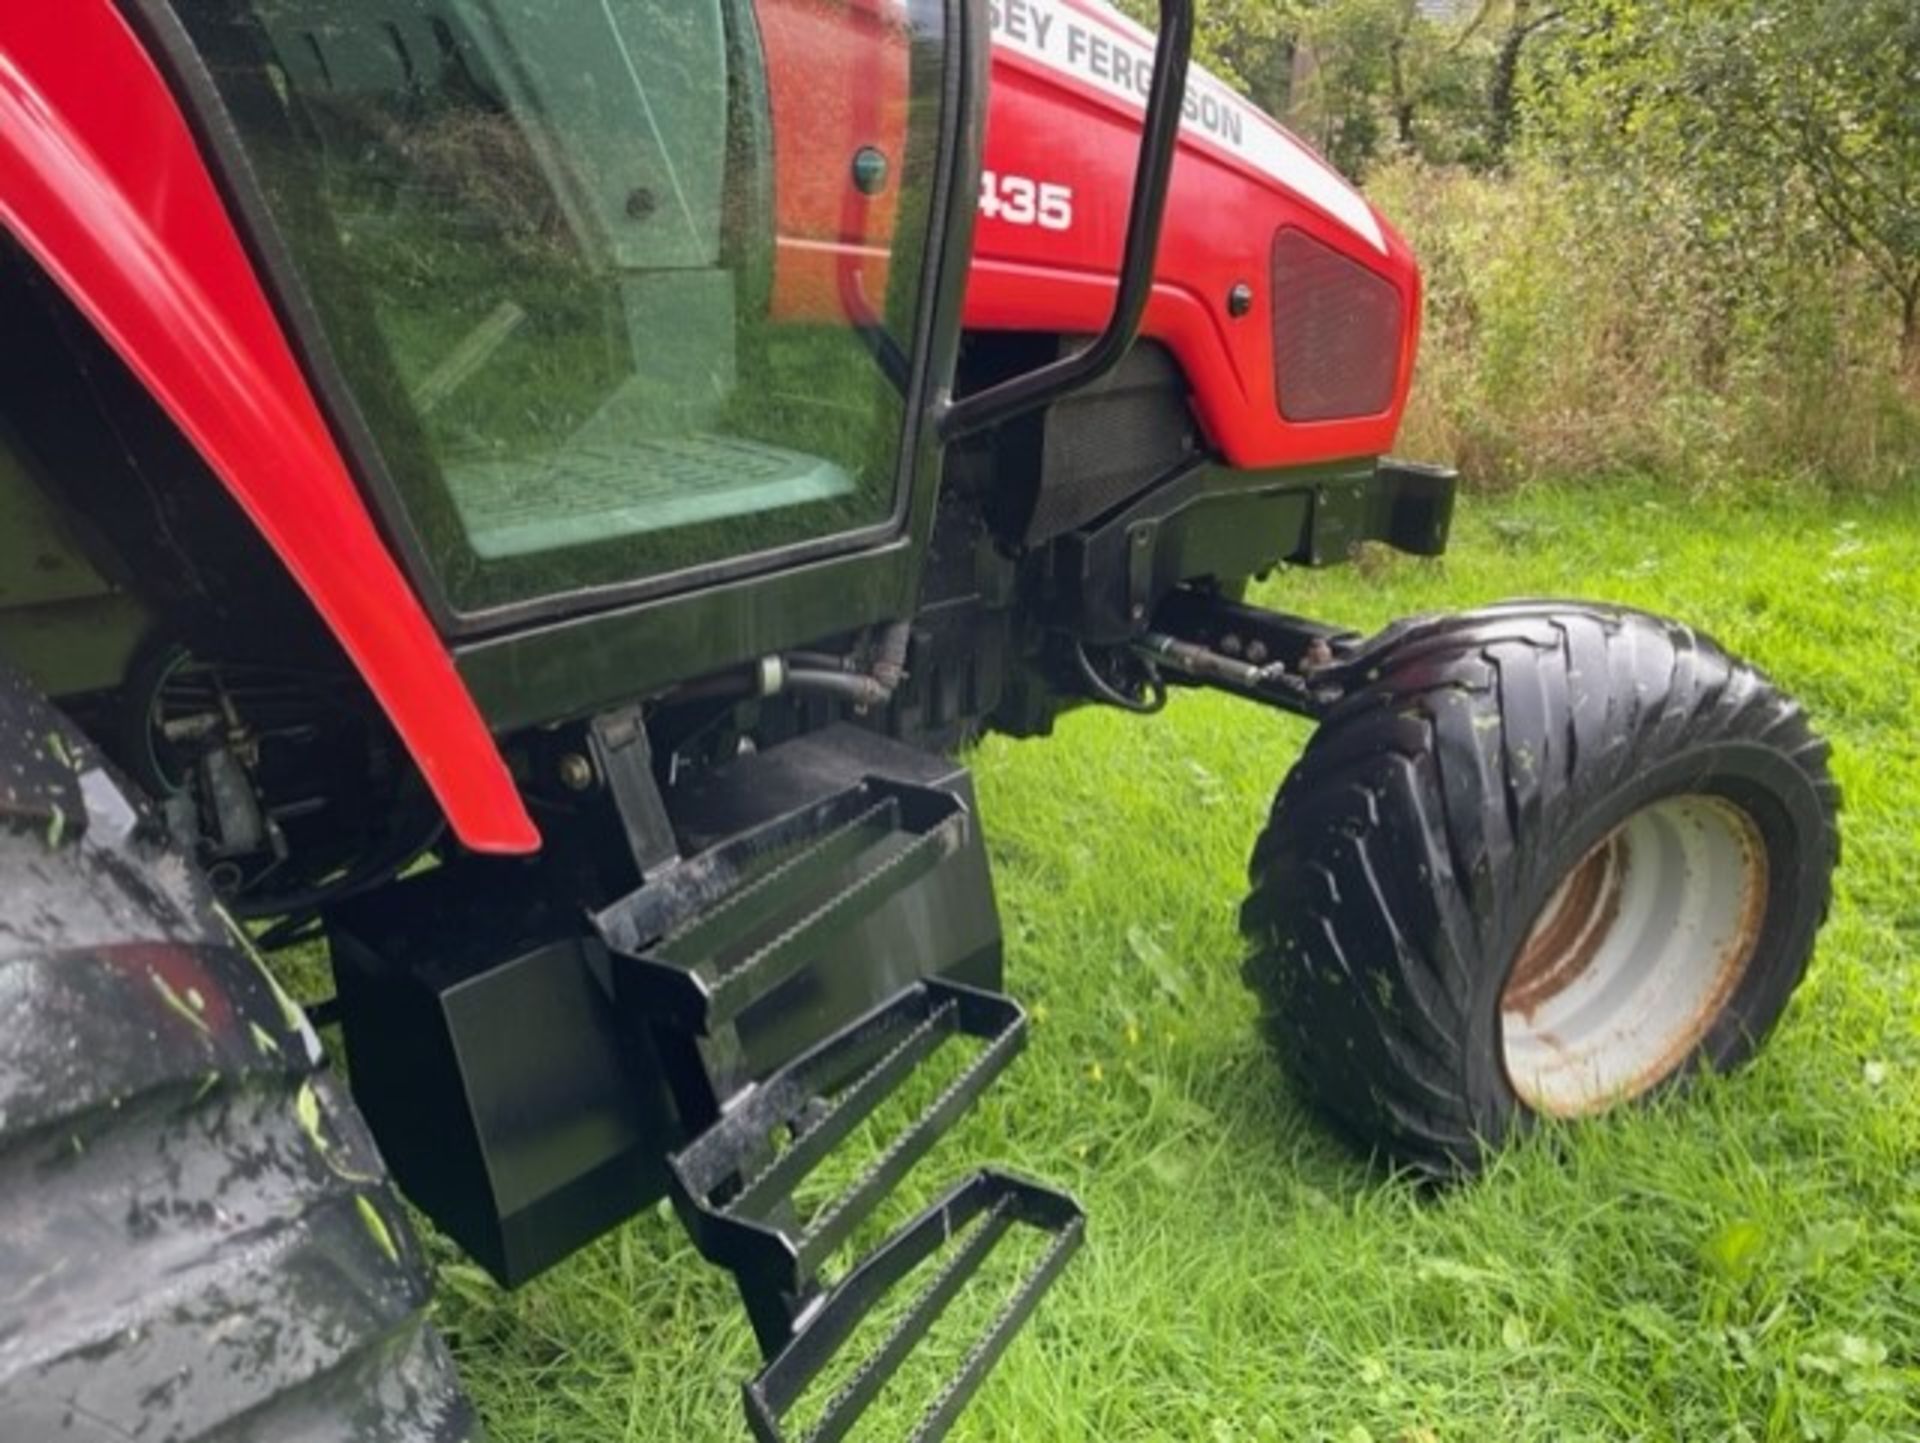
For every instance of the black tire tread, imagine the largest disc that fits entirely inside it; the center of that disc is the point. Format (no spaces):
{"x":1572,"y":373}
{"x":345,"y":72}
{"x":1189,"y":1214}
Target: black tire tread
{"x":198,"y":1240}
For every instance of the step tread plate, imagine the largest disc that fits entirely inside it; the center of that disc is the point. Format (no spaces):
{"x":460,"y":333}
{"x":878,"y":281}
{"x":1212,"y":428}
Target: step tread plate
{"x":719,"y":949}
{"x":979,"y":1212}
{"x":732,"y":991}
{"x":741,"y":1232}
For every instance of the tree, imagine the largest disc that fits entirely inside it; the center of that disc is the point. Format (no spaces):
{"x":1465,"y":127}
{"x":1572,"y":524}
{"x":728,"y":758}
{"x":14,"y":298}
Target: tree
{"x":1780,"y":117}
{"x":1835,"y":90}
{"x":1524,"y":20}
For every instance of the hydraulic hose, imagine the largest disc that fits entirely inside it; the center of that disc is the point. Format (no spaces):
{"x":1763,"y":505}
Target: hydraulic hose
{"x":818,"y":672}
{"x":862,"y":691}
{"x":874,"y":687}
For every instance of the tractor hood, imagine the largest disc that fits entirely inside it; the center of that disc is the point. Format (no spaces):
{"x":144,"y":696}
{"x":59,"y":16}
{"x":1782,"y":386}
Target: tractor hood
{"x":1291,"y":306}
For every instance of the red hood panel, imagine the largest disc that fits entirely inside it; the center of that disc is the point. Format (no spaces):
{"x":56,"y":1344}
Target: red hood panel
{"x":1068,"y":84}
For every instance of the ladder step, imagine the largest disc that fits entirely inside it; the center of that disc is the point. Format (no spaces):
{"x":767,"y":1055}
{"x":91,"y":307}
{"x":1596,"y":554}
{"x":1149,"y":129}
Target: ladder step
{"x":720,"y":931}
{"x":701,"y":934}
{"x":766,"y":967}
{"x":980,"y":1212}
{"x":737,"y":1204}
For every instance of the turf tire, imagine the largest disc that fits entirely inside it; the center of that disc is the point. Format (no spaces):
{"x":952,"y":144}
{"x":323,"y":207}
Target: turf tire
{"x":197,"y":1237}
{"x":1473,"y":762}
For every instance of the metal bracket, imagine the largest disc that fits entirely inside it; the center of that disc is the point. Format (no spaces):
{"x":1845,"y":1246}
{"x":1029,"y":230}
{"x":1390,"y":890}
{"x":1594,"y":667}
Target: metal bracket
{"x":1141,"y":555}
{"x":1265,"y":656}
{"x":624,"y":758}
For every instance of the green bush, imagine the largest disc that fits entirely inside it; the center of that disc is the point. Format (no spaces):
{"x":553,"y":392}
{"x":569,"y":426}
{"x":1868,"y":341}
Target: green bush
{"x":1584,"y":322}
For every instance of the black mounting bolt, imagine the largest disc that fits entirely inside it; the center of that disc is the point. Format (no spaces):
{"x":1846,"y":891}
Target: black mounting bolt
{"x":576,"y":772}
{"x":1239,"y":299}
{"x":869,"y":170}
{"x":640,"y":203}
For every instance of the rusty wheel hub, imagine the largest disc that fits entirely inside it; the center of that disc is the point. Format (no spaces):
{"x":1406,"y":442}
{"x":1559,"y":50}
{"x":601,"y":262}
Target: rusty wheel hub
{"x":1634,"y":956}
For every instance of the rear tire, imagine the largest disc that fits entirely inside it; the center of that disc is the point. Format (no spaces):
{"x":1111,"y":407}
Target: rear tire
{"x":1541,"y":860}
{"x":197,"y":1238}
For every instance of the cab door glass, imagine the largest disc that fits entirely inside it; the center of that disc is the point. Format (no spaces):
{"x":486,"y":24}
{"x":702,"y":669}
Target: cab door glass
{"x":614,"y":289}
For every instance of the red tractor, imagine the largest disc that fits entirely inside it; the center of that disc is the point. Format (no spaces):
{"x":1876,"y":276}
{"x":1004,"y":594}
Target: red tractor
{"x":533,"y":493}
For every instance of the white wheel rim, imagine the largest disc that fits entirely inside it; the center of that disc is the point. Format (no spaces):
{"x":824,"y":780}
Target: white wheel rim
{"x":1634,"y":956}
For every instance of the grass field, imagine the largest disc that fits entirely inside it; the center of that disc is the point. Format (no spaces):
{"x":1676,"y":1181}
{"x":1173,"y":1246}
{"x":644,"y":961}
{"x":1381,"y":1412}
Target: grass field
{"x":1742,"y":1262}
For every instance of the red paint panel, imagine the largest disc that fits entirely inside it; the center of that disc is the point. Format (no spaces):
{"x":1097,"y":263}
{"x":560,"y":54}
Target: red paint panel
{"x":837,"y":81}
{"x":101,"y":181}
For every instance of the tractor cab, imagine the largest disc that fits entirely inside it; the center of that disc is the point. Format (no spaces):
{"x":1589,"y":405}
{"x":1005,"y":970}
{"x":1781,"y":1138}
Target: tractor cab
{"x":614,"y":293}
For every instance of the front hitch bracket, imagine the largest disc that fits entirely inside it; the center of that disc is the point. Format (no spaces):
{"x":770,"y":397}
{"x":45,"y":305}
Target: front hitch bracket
{"x":1200,"y":638}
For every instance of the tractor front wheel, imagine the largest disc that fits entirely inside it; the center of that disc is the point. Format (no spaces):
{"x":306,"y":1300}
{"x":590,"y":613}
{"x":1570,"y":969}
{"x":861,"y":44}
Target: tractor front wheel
{"x":1541,"y":860}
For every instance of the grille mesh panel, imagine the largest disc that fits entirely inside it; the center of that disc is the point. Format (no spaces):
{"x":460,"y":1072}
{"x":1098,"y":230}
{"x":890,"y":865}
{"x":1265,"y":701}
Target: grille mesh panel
{"x":1336,"y":333}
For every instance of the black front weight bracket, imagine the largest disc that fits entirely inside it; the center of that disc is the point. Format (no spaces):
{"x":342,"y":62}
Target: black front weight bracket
{"x":1111,"y":576}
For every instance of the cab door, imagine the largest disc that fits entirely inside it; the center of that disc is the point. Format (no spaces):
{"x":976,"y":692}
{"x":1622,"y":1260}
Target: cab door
{"x":610,"y":297}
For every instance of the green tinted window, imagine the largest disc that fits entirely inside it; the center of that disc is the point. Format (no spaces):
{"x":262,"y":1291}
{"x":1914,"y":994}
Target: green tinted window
{"x":607,"y":298}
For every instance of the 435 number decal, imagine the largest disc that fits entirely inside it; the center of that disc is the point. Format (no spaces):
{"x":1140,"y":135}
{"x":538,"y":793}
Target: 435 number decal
{"x":1021,"y":200}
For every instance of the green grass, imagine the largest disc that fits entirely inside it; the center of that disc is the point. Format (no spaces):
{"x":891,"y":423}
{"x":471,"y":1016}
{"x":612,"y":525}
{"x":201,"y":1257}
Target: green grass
{"x":1742,"y":1262}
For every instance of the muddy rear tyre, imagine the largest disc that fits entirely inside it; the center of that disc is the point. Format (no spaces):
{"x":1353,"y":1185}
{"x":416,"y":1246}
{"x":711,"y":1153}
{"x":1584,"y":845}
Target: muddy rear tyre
{"x":197,"y":1238}
{"x":1542,"y":860}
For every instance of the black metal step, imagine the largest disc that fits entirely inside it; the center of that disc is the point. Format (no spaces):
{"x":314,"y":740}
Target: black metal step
{"x":737,"y":1200}
{"x":979,"y":1213}
{"x":724,"y":929}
